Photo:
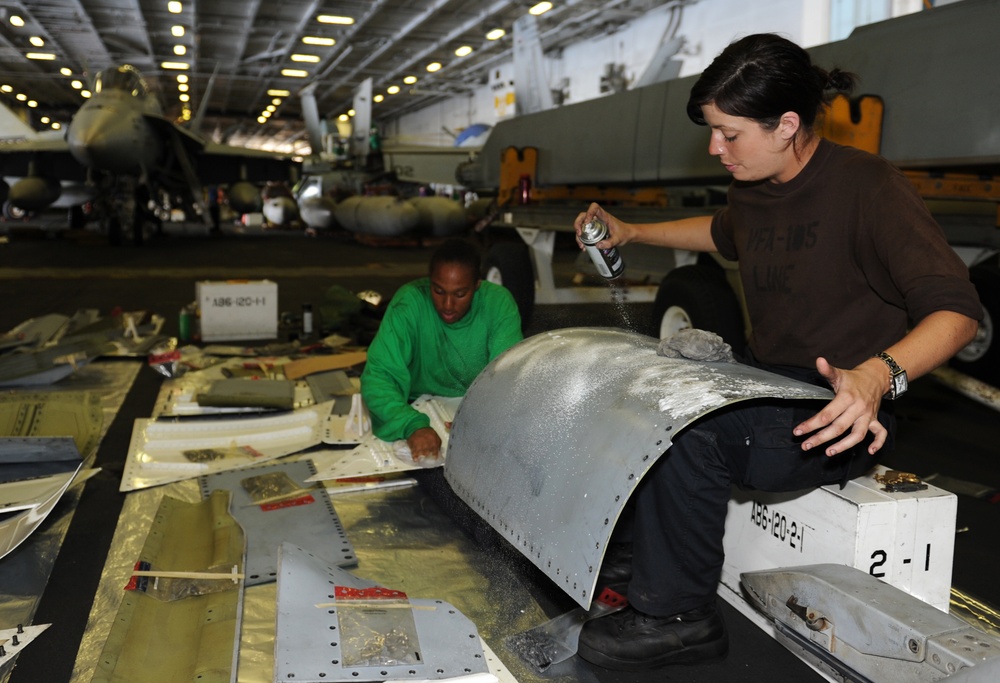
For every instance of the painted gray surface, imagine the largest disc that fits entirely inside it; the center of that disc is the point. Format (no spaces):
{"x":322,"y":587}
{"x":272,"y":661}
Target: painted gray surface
{"x":312,"y":522}
{"x":310,"y":643}
{"x":847,"y":620}
{"x":555,"y":434}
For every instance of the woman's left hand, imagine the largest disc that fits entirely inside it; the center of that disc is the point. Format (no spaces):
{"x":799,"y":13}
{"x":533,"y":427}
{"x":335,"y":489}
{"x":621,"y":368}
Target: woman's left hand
{"x":854,"y":409}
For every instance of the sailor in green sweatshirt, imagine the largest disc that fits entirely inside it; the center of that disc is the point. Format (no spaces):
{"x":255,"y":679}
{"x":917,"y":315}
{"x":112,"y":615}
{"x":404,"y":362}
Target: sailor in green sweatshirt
{"x":438,"y":334}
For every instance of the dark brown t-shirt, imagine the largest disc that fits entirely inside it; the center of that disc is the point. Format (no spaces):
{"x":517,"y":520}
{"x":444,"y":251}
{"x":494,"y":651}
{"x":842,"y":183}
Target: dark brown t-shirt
{"x":839,"y":261}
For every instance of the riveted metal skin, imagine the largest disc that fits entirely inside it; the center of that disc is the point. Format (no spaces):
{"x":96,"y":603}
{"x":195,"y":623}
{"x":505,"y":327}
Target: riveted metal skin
{"x":555,"y":434}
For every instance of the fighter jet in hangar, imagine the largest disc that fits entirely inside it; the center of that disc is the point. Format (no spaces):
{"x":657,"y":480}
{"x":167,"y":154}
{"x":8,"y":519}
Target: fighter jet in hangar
{"x":134,"y":158}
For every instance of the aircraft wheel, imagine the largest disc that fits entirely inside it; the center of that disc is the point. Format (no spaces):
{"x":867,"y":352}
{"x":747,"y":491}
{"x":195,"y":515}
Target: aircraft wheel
{"x":13,"y":213}
{"x":698,"y":297}
{"x":509,"y":264}
{"x":981,"y":357}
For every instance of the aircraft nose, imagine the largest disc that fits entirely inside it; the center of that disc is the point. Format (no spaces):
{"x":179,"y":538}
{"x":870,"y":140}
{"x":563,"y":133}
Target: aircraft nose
{"x":106,"y":139}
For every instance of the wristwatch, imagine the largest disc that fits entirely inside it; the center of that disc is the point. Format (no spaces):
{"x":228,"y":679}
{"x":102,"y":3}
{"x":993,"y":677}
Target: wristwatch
{"x":897,"y":376}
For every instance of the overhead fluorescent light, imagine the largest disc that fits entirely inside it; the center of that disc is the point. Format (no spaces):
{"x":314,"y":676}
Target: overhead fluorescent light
{"x":276,"y":101}
{"x":46,"y":56}
{"x":342,"y":117}
{"x":56,"y":125}
{"x":434,"y":66}
{"x":174,"y":7}
{"x":32,"y":103}
{"x":177,"y":31}
{"x":316,"y":40}
{"x":16,"y":20}
{"x":66,"y":71}
{"x":37,"y":41}
{"x":6,"y":88}
{"x":351,"y":112}
{"x":184,"y":97}
{"x":85,"y":93}
{"x":378,"y":98}
{"x":183,"y":87}
{"x":44,"y":119}
{"x":540,"y":8}
{"x":182,"y":78}
{"x":392,"y":89}
{"x":463,"y":51}
{"x":496,"y":34}
{"x":311,"y":59}
{"x":294,"y":73}
{"x":278,"y":93}
{"x":20,"y":97}
{"x":178,"y":66}
{"x":334,"y":19}
{"x":76,"y":84}
{"x":410,"y":80}
{"x":261,"y":119}
{"x":180,"y":50}
{"x":271,"y":108}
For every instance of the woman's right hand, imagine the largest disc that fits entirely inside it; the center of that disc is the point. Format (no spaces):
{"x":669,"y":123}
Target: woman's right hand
{"x":616,"y":229}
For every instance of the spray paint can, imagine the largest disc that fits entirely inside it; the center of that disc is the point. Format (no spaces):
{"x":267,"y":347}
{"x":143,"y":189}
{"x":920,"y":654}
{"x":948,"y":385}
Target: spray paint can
{"x":608,"y":261}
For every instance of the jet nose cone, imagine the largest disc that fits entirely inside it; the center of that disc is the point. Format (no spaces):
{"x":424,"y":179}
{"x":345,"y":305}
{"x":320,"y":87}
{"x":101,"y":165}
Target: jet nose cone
{"x":108,"y":139}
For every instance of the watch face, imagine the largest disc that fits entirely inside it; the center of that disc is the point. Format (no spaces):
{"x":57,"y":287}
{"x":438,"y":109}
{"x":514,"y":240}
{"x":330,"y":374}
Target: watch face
{"x":899,"y":384}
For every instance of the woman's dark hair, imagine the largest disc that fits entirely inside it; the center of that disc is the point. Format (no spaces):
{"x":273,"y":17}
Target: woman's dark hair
{"x":459,"y":251}
{"x":761,"y":77}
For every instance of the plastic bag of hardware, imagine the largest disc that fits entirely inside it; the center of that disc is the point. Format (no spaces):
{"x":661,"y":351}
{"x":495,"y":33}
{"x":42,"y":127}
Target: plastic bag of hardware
{"x":377,"y":632}
{"x":167,"y":586}
{"x":272,"y":487}
{"x":557,"y":639}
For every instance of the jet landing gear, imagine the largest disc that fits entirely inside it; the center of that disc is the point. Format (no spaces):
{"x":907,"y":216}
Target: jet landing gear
{"x":125,"y":216}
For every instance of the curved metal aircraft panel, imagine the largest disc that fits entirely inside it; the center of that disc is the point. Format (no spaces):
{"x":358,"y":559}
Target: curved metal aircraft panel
{"x":554,"y":435}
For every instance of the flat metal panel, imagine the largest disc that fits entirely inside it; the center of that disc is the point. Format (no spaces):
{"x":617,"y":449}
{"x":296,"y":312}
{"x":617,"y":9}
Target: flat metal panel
{"x":555,"y":434}
{"x":306,"y":518}
{"x":310,"y":644}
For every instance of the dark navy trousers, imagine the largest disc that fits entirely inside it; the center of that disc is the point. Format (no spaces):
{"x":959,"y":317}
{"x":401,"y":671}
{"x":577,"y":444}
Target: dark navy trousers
{"x":679,"y":514}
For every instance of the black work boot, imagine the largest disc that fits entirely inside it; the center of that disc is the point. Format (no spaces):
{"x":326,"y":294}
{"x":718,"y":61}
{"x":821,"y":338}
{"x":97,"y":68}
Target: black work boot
{"x":629,"y":640}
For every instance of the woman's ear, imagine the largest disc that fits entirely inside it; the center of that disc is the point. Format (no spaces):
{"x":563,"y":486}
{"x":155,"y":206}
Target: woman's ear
{"x":789,"y":125}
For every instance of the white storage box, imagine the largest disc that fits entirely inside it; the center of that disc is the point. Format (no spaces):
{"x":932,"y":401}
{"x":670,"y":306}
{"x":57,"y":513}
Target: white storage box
{"x":904,"y":539}
{"x":238,"y":309}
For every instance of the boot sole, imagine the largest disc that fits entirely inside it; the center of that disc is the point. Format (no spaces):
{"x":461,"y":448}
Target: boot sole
{"x":704,"y":653}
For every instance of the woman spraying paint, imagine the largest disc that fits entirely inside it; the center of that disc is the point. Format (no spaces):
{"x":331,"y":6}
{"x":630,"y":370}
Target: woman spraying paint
{"x":867,"y":293}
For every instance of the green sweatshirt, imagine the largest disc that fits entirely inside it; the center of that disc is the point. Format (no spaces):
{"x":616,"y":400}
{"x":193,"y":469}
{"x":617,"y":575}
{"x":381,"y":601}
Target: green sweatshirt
{"x":415,"y":352}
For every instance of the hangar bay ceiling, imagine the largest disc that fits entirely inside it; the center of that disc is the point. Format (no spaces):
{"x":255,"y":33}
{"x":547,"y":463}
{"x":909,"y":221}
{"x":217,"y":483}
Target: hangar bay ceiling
{"x":50,"y":51}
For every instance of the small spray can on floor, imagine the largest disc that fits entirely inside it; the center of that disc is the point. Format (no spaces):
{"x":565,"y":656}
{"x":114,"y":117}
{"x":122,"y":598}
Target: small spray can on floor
{"x":608,"y":261}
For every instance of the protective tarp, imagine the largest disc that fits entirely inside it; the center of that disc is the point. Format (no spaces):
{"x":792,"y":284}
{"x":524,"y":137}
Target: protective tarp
{"x":555,"y":434}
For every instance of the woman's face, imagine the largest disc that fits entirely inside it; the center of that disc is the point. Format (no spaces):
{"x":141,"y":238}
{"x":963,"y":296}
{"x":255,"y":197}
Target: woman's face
{"x":748,"y":151}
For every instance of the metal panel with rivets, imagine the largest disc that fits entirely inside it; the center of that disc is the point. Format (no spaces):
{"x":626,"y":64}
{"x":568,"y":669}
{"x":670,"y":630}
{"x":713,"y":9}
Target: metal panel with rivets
{"x":555,"y":434}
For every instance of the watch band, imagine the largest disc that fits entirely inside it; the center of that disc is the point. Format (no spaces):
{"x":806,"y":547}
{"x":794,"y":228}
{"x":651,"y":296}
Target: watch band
{"x":897,"y":376}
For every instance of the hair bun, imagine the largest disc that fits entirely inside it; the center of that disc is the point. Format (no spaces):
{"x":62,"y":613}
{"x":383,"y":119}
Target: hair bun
{"x":840,"y":80}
